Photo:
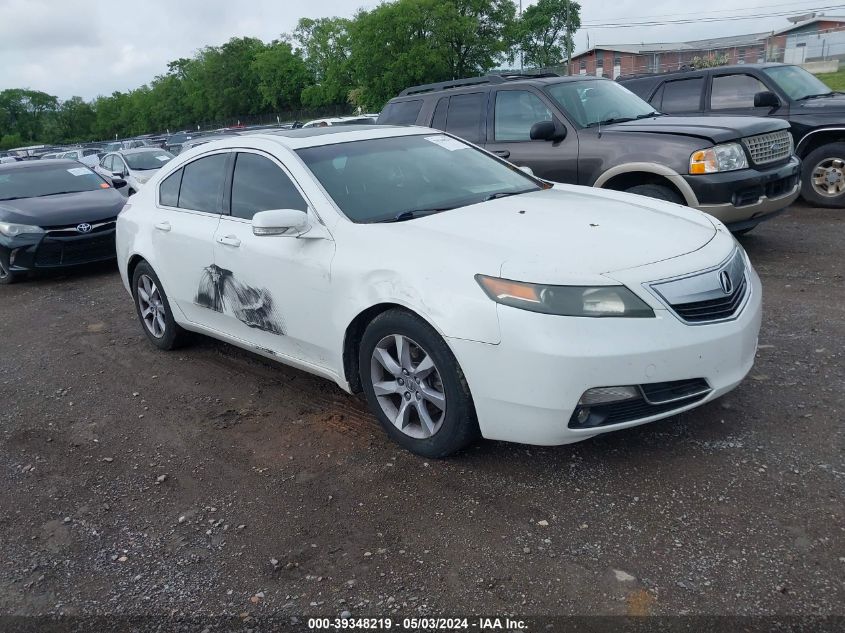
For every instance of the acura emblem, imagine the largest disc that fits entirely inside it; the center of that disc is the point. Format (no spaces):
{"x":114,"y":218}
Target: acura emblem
{"x":725,"y":282}
{"x":84,"y":227}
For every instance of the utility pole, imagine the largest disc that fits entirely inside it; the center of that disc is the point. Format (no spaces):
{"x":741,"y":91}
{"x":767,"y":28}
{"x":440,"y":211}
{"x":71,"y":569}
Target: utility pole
{"x":568,"y":37}
{"x":521,"y":57}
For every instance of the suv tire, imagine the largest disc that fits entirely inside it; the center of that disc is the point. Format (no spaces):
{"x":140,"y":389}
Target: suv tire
{"x":827,"y":160}
{"x":660,"y":192}
{"x":410,"y":379}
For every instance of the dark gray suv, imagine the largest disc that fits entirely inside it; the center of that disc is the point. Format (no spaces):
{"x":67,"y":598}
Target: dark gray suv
{"x":591,"y":131}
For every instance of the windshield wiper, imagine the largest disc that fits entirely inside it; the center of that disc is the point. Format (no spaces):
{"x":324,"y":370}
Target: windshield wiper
{"x":55,"y":193}
{"x":505,"y":194}
{"x":821,"y":94}
{"x":609,"y":121}
{"x":648,"y":115}
{"x":13,"y":198}
{"x":412,"y":214}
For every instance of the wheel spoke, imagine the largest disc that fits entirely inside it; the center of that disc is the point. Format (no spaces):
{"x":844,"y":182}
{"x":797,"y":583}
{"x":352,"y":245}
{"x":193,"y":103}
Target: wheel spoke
{"x":387,"y":387}
{"x":143,"y":294}
{"x":146,"y":312}
{"x":160,"y":321}
{"x":403,"y":351}
{"x":437,"y":398}
{"x":428,"y":425}
{"x":147,"y":285}
{"x":831,"y":189}
{"x":425,"y":367}
{"x":403,"y":415}
{"x":387,"y":361}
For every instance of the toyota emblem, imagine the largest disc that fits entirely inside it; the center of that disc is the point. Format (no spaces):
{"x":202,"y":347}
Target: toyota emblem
{"x":725,"y":282}
{"x":84,"y":227}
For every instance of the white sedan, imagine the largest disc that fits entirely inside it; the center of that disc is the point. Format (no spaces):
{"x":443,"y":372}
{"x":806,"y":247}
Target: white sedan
{"x":135,"y":166}
{"x":460,"y":294}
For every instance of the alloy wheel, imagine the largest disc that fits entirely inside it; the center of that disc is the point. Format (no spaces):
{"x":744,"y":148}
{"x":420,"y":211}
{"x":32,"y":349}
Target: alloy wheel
{"x":152,"y":306}
{"x":3,"y":271}
{"x":828,"y":177}
{"x":408,"y":386}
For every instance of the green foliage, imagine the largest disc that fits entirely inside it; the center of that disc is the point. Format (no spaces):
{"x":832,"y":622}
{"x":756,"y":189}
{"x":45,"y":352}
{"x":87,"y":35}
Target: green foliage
{"x":834,"y":81}
{"x":546,"y":30}
{"x":324,"y":63}
{"x":710,"y":61}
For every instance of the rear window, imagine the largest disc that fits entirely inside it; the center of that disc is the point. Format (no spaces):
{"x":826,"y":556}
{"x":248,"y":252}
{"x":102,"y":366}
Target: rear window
{"x":683,"y":95}
{"x":46,"y":180}
{"x":202,"y":182}
{"x":401,"y":112}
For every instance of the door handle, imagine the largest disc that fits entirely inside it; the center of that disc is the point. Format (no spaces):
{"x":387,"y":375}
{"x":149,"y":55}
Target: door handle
{"x":163,"y":226}
{"x":229,"y":240}
{"x":502,"y":152}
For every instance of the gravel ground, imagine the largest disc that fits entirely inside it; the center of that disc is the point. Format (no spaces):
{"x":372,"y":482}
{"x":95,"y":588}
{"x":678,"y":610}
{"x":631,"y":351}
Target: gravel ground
{"x":209,"y":482}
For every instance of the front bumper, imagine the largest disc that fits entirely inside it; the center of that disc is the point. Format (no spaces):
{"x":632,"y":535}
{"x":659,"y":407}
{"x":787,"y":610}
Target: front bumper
{"x":526,"y":388}
{"x":51,"y":250}
{"x":742,"y":199}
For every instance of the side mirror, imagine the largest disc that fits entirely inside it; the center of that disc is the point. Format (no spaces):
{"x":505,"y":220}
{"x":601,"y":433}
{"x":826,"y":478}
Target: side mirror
{"x":118,"y":183}
{"x":547,"y":131}
{"x":280,"y":222}
{"x":766,"y":99}
{"x":526,"y":169}
{"x":118,"y":174}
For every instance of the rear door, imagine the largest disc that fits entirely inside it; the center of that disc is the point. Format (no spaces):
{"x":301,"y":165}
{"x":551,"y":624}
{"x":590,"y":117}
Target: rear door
{"x":272,"y":290}
{"x":463,"y":115}
{"x":188,"y":207}
{"x":680,"y":96}
{"x":512,"y":113}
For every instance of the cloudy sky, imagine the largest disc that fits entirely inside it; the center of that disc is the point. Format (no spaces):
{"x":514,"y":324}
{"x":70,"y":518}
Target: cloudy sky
{"x":91,"y":47}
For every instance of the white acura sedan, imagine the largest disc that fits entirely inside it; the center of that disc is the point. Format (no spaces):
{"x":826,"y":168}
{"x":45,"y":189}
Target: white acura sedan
{"x":460,"y":294}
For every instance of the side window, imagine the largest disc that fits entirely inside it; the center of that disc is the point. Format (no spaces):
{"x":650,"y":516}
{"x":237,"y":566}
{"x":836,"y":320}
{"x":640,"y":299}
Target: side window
{"x":438,"y":121}
{"x":683,"y":95}
{"x":466,"y":116}
{"x":516,"y":112}
{"x":258,"y":185}
{"x":119,"y":164}
{"x":168,"y":190}
{"x":734,"y":91}
{"x":108,"y":163}
{"x":401,"y":113}
{"x":202,"y":182}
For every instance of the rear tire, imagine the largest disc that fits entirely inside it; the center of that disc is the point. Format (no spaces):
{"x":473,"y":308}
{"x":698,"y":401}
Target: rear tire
{"x":823,"y":176}
{"x":423,"y":399}
{"x":660,"y":192}
{"x":153,"y":309}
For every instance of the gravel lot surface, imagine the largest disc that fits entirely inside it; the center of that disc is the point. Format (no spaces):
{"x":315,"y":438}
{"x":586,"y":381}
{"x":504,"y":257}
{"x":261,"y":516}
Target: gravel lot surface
{"x":208,"y":481}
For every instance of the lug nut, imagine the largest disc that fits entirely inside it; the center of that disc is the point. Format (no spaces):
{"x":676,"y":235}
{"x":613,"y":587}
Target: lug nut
{"x":407,"y":395}
{"x":401,"y":382}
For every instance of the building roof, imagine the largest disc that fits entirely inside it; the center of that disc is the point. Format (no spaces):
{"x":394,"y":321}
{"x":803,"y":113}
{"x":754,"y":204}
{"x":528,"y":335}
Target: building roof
{"x":818,"y":18}
{"x":693,"y":45}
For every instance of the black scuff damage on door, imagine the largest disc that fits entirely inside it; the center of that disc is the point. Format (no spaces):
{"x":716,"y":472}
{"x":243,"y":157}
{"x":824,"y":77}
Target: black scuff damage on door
{"x":220,"y":291}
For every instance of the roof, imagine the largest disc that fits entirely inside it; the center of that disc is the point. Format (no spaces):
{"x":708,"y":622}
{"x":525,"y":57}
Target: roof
{"x":730,"y":41}
{"x":32,"y":164}
{"x":818,"y":18}
{"x":137,"y":150}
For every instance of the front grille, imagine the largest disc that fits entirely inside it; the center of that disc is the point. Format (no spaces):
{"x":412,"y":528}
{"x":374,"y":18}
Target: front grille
{"x":59,"y":251}
{"x":658,"y":398}
{"x":100,"y":226}
{"x":770,"y":147}
{"x":713,"y":309}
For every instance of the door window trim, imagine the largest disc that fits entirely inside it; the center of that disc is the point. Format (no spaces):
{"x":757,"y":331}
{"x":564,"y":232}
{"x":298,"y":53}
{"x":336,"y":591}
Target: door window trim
{"x":557,"y":115}
{"x":218,"y":213}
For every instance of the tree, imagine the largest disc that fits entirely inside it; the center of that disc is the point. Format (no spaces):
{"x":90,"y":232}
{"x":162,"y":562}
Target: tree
{"x":326,"y":48}
{"x":546,"y":32}
{"x":282,"y":76}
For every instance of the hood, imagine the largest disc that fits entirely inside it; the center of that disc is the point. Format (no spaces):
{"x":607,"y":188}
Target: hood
{"x":717,"y":129}
{"x":834,"y":104}
{"x":64,"y":209}
{"x":567,"y":234}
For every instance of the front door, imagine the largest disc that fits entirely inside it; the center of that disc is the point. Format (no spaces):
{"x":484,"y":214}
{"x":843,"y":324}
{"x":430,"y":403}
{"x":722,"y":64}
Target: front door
{"x":273,"y":290}
{"x":513,"y":113}
{"x":733,"y":93}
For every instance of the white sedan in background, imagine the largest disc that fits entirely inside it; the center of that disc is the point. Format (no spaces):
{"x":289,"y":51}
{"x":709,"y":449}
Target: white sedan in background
{"x":135,"y":166}
{"x":461,"y":295}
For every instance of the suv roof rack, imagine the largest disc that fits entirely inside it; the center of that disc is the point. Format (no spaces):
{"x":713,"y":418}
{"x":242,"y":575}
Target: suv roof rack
{"x":495,"y":78}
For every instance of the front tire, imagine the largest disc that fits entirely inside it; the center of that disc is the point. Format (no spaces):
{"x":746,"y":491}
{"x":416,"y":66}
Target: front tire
{"x":153,"y":309}
{"x":660,"y":192}
{"x":7,"y":277}
{"x":823,"y":176}
{"x":415,"y":387}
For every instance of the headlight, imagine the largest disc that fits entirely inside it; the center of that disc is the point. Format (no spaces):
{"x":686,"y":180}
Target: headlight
{"x":582,"y":301}
{"x":727,"y":157}
{"x":13,"y":230}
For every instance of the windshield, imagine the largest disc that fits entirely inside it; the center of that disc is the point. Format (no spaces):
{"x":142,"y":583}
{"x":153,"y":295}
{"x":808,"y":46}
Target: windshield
{"x":45,"y":180}
{"x":796,"y":82}
{"x":597,"y":101}
{"x":378,"y":179}
{"x":144,"y":161}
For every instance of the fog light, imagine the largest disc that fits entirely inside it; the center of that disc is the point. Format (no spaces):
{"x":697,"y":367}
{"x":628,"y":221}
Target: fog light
{"x":583,"y":415}
{"x":602,"y":395}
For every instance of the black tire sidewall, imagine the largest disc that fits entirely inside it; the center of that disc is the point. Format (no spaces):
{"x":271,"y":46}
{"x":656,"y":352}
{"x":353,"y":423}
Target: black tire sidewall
{"x":172,"y":332}
{"x":658,"y":192}
{"x":808,"y":192}
{"x":460,"y":426}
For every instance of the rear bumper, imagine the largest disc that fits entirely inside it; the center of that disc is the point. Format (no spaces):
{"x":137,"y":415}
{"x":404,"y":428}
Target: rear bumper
{"x":742,"y":199}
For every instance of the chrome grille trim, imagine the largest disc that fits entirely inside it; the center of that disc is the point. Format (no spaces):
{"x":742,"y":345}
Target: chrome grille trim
{"x":769,"y":147}
{"x":699,"y":299}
